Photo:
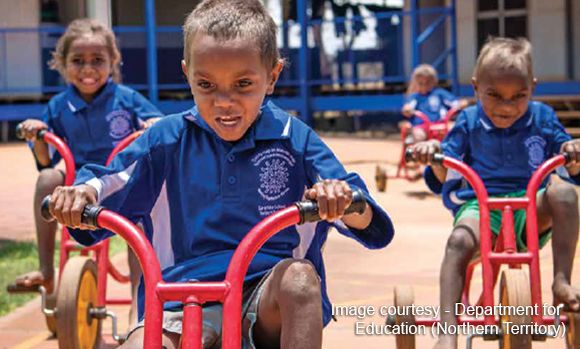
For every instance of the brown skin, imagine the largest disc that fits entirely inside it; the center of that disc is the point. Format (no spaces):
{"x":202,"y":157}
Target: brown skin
{"x":229,"y":81}
{"x":504,"y":99}
{"x":88,"y":66}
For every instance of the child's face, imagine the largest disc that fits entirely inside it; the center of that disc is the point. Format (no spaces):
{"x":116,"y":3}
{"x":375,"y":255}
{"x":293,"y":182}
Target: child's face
{"x":503,"y":97}
{"x":425,"y":84}
{"x":228,"y":81}
{"x":88,"y":65}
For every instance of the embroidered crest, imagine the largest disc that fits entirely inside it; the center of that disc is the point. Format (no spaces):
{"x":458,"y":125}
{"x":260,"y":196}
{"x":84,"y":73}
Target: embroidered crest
{"x":274,"y":165}
{"x":536,"y":154}
{"x":434,"y":103}
{"x":119,"y":124}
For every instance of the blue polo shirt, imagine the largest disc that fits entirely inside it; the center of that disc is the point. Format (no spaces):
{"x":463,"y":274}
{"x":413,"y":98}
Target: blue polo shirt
{"x":197,"y":195}
{"x":91,"y":130}
{"x":504,"y":158}
{"x":434,"y":104}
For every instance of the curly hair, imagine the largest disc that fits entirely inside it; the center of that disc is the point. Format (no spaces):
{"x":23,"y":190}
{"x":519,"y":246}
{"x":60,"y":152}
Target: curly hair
{"x":77,"y":29}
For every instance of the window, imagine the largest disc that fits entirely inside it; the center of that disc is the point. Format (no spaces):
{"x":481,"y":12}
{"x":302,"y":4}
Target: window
{"x":507,"y":18}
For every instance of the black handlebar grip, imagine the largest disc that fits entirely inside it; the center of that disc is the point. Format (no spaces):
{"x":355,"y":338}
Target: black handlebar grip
{"x":309,"y":209}
{"x":44,"y":212}
{"x":88,"y":216}
{"x":409,"y":155}
{"x":567,"y":157}
{"x":20,"y":133}
{"x":437,"y":158}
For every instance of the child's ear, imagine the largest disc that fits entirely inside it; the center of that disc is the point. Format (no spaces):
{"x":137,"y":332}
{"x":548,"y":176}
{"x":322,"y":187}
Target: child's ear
{"x":274,"y":75}
{"x":474,"y":84}
{"x":184,"y":68}
{"x":534,"y":84}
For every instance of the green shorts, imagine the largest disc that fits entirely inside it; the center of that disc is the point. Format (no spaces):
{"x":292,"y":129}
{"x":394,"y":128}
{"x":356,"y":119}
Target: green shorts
{"x":471,"y":210}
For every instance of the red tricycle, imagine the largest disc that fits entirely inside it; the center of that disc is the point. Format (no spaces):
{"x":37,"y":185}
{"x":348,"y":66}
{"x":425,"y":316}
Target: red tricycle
{"x":82,"y":279}
{"x":194,"y":294}
{"x":434,"y":130}
{"x":517,"y":288}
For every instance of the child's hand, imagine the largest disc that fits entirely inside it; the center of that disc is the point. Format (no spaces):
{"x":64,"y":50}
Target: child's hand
{"x":67,"y":204}
{"x":333,"y":198}
{"x":31,"y":127}
{"x":423,"y":151}
{"x":149,"y":122}
{"x":573,"y":149}
{"x":408,"y":110}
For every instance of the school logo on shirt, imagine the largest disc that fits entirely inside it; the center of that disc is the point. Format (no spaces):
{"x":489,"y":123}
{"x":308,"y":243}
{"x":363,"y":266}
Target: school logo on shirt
{"x":536,"y":146}
{"x":119,"y":124}
{"x":274,"y":165}
{"x":434,"y":103}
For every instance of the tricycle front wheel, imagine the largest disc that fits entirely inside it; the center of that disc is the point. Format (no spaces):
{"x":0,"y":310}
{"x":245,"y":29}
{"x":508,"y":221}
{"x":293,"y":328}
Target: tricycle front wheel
{"x":515,"y":292}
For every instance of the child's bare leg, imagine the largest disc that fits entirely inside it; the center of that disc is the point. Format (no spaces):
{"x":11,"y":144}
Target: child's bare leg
{"x":419,"y":134}
{"x":48,"y":179}
{"x":461,"y":246}
{"x":290,"y":309}
{"x":134,"y":275}
{"x":169,"y":340}
{"x":558,"y":207}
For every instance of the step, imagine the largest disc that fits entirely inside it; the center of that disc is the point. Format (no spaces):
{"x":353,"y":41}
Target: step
{"x":568,"y":114}
{"x":573,"y":131}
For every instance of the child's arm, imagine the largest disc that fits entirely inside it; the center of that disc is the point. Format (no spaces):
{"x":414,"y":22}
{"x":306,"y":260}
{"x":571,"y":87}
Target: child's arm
{"x":325,"y":173}
{"x":30,"y":129}
{"x":562,"y":142}
{"x":334,"y":197}
{"x":130,"y":186}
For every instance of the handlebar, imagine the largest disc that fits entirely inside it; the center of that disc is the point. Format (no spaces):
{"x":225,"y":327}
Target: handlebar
{"x":308,"y":210}
{"x":410,"y":157}
{"x":20,"y":133}
{"x":88,"y":216}
{"x":475,"y":181}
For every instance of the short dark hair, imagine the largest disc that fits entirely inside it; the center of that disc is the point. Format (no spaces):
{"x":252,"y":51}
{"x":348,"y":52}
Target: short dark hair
{"x":508,"y":55}
{"x":231,"y":19}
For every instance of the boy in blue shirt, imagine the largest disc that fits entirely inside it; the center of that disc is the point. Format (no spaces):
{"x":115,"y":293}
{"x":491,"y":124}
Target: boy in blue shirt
{"x":201,"y":179}
{"x":424,"y":96}
{"x":92,"y":115}
{"x":504,"y":138}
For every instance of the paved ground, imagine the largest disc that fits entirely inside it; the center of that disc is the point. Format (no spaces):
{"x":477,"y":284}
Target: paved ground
{"x":357,"y":277}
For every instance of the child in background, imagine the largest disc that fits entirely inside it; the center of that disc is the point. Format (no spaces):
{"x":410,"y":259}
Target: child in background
{"x":92,"y":115}
{"x":201,"y":179}
{"x":423,"y":95}
{"x":504,"y":138}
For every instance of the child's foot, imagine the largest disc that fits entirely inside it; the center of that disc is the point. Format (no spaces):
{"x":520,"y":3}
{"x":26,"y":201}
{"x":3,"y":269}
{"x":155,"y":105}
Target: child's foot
{"x":565,"y":293}
{"x":30,"y":282}
{"x":446,"y":342}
